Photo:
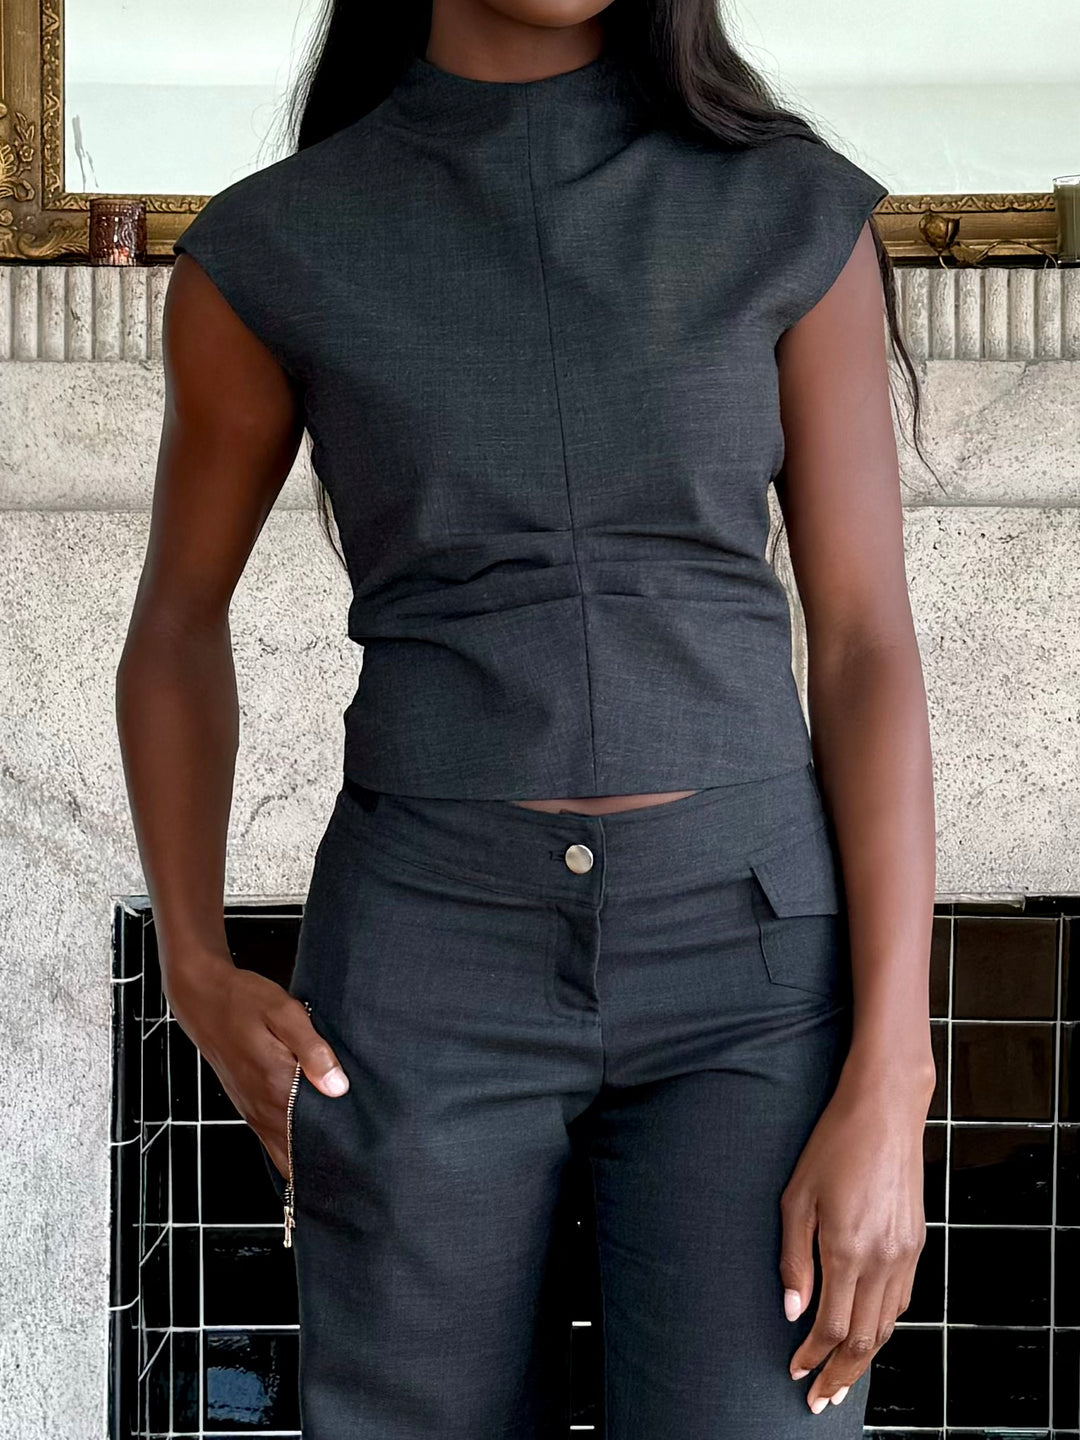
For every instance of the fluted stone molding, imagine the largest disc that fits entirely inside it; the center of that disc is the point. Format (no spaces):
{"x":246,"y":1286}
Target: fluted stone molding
{"x":101,"y":312}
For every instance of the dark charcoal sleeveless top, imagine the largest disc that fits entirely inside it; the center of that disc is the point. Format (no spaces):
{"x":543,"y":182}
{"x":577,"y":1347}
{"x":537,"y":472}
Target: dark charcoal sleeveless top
{"x":534,"y":340}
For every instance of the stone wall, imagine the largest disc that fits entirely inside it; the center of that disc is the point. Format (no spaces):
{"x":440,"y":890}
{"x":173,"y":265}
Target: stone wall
{"x":995,"y":585}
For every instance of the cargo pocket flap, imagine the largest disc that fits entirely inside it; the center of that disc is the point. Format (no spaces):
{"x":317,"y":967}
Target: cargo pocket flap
{"x":800,"y":877}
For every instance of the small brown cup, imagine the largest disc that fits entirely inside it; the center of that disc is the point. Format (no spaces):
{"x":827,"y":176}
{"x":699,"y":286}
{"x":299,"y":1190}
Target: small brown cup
{"x":117,"y":230}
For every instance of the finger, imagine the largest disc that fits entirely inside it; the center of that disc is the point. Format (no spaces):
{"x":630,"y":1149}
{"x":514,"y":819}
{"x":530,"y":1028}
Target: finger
{"x":905,"y":1291}
{"x":852,"y":1355}
{"x":292,"y":1025}
{"x":799,"y":1219}
{"x":833,"y":1318}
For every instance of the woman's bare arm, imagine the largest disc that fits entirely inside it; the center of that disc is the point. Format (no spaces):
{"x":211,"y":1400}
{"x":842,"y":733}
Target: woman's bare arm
{"x":860,"y":1176}
{"x":231,"y":430}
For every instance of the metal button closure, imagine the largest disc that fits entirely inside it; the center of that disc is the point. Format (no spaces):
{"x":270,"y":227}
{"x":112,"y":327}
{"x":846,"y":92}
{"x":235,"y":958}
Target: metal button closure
{"x":579,"y":858}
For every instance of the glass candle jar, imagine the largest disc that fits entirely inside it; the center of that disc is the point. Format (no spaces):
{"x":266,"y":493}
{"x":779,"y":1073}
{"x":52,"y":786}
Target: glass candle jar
{"x":117,"y":230}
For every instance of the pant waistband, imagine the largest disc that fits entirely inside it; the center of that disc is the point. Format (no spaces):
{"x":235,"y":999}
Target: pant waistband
{"x":650,"y":849}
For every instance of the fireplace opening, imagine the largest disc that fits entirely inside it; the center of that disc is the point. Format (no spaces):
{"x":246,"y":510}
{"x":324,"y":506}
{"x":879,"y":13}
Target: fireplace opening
{"x":204,"y":1338}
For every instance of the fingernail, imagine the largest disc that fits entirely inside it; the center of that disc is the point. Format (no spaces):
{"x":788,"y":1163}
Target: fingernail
{"x":840,"y":1394}
{"x":819,"y":1404}
{"x":336,"y":1081}
{"x":798,"y":1374}
{"x":792,"y":1304}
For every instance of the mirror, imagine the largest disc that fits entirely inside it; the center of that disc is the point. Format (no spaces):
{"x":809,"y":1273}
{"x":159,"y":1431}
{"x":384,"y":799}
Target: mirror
{"x":190,"y":100}
{"x":932,"y":98}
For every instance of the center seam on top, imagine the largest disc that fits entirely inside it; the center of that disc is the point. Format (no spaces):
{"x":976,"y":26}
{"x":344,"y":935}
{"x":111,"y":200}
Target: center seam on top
{"x":562,"y":439}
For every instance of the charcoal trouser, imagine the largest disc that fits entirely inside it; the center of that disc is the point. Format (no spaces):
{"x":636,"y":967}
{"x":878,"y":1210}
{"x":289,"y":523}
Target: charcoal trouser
{"x":661,"y":996}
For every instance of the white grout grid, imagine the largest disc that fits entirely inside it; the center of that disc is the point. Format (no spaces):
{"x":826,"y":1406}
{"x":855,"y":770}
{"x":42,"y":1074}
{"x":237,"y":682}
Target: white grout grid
{"x":204,"y":1325}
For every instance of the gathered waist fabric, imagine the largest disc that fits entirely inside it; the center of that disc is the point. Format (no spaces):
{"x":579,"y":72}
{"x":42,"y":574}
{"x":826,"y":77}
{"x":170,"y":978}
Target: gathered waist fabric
{"x":604,"y":694}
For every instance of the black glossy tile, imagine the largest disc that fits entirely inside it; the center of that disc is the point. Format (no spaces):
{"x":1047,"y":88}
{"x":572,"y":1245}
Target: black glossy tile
{"x":158,"y":1385}
{"x":248,"y":1278}
{"x":236,"y":1185}
{"x":186,"y":1380}
{"x":126,"y":1064}
{"x":183,"y":1141}
{"x":998,"y":1378}
{"x":1003,"y":1071}
{"x":1001,"y":1174}
{"x":126,"y":1163}
{"x":250,"y":1381}
{"x":183,"y":1076}
{"x":265,"y":945}
{"x":903,"y":1434}
{"x":1070,"y":1073}
{"x":1068,"y":1177}
{"x":216,"y":1105}
{"x":999,"y":1276}
{"x":988,"y":907}
{"x":928,"y":1288}
{"x":1070,"y":979}
{"x":1067,"y":1277}
{"x":156,"y":1282}
{"x":123,"y":1398}
{"x":906,"y":1379}
{"x":127,"y":946}
{"x":153,"y":1006}
{"x":185,"y":1278}
{"x":155,"y":1083}
{"x":1005,"y":969}
{"x":1066,"y":1414}
{"x":155,"y":1181}
{"x":939,"y":1043}
{"x":940,"y":947}
{"x":935,"y":1138}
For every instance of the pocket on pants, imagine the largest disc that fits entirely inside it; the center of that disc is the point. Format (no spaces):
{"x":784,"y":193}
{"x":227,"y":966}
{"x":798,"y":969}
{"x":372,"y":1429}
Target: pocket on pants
{"x":799,"y":908}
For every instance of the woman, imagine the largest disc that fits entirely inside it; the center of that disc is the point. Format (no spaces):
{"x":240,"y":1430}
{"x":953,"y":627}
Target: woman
{"x":557,"y":291}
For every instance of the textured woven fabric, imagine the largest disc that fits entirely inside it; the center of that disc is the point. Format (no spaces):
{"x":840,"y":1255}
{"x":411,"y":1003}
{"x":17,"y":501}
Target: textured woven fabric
{"x":534,"y":336}
{"x":667,"y":1026}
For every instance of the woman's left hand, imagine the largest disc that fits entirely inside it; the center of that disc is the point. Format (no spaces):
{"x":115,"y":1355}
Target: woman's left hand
{"x":859,"y":1183}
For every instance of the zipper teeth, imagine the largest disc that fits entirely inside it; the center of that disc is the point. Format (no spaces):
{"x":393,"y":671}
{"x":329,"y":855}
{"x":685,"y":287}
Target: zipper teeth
{"x":288,"y":1198}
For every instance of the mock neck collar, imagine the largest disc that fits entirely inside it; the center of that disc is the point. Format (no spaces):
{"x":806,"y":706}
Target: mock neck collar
{"x":601,"y":94}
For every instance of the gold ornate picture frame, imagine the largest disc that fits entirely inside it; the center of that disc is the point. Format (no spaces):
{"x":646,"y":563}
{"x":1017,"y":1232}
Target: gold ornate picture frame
{"x":41,"y":220}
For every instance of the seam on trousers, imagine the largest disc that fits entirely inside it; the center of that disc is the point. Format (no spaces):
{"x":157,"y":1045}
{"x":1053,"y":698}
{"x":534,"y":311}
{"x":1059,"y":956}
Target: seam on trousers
{"x":562,"y":437}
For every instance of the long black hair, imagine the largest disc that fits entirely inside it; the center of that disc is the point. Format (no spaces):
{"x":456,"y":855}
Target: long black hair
{"x":685,"y":66}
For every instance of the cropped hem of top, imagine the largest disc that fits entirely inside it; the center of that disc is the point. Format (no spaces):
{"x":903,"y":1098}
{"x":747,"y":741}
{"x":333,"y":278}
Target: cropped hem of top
{"x":533,"y":334}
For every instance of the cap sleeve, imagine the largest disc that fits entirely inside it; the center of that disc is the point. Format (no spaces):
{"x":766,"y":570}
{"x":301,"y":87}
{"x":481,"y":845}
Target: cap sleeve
{"x":236,"y":238}
{"x":828,"y":200}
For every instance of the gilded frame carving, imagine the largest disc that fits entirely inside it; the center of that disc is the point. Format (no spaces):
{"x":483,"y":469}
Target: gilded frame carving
{"x":41,"y":220}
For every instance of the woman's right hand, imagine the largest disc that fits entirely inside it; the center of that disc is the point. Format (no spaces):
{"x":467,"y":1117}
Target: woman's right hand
{"x":252,"y":1032}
